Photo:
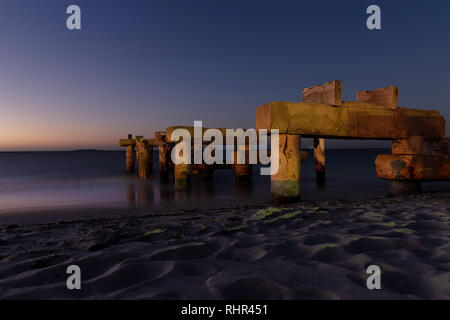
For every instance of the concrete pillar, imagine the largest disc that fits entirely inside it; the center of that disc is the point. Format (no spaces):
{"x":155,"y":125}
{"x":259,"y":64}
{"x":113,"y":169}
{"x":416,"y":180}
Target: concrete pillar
{"x":319,"y":159}
{"x":171,"y":165}
{"x":163,"y":155}
{"x":129,"y":162}
{"x":145,"y":157}
{"x":144,"y":170}
{"x":138,"y":138}
{"x":413,"y":145}
{"x":182,"y":172}
{"x":150,"y":157}
{"x":164,"y":159}
{"x":285,"y":184}
{"x":208,"y":169}
{"x":243,"y":171}
{"x":182,"y":177}
{"x":129,"y":156}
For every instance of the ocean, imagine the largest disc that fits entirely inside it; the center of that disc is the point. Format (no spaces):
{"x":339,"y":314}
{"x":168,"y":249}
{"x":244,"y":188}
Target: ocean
{"x":38,"y":186}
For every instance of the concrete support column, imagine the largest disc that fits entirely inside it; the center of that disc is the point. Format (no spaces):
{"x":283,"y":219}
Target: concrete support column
{"x":182,"y":170}
{"x":243,"y":171}
{"x":208,"y":170}
{"x":413,"y":145}
{"x":150,"y":157}
{"x":319,"y":159}
{"x":138,"y":138}
{"x":182,"y":177}
{"x":171,"y":165}
{"x":285,"y":184}
{"x":163,"y":154}
{"x":129,"y":162}
{"x":145,"y":157}
{"x":164,"y":158}
{"x":129,"y":156}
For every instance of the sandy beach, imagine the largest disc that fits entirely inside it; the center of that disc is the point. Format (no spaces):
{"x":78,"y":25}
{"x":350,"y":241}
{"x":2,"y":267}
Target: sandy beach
{"x":301,"y":251}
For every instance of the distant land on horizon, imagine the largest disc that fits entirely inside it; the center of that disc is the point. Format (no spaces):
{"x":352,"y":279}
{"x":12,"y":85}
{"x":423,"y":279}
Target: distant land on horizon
{"x":90,"y":150}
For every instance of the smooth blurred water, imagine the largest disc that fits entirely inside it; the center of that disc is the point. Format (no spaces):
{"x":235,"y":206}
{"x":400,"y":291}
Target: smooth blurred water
{"x":37,"y":181}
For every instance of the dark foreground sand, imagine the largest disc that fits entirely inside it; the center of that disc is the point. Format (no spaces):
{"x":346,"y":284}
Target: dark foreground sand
{"x":303,"y":251}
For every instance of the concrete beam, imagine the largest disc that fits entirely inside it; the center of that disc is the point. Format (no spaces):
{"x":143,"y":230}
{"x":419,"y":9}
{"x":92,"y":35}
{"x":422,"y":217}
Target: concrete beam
{"x":350,"y":120}
{"x":132,"y":142}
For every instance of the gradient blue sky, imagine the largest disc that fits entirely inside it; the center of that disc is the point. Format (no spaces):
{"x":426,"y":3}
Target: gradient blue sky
{"x":139,"y":65}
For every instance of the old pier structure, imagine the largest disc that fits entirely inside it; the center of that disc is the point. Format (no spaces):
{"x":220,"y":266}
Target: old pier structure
{"x":419,"y":150}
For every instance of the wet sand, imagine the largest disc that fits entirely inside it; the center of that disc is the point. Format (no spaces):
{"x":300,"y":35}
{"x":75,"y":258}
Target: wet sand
{"x":301,"y":251}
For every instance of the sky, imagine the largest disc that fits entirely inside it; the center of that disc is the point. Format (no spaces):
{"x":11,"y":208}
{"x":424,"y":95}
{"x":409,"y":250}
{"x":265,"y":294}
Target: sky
{"x":138,"y":66}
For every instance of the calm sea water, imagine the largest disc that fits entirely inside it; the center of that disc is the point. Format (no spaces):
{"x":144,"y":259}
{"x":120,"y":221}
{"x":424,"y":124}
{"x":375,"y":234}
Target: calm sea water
{"x":35,"y":183}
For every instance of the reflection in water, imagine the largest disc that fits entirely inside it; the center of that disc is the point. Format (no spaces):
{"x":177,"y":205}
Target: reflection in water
{"x":244,"y":190}
{"x":165,"y":196}
{"x":321,"y":184}
{"x":321,"y":187}
{"x":145,"y":192}
{"x":182,"y":196}
{"x":151,"y":192}
{"x":131,"y":195}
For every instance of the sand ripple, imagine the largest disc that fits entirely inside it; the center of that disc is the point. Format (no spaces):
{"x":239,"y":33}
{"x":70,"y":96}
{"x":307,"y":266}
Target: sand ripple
{"x":304,"y":251}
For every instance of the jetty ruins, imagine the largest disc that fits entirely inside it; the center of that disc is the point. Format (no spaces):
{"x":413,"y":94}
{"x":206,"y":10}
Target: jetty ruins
{"x":420,"y":152}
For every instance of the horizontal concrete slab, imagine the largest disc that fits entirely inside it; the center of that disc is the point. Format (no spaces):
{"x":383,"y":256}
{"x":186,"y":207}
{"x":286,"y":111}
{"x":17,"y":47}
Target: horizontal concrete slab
{"x":350,"y":120}
{"x":127,"y":142}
